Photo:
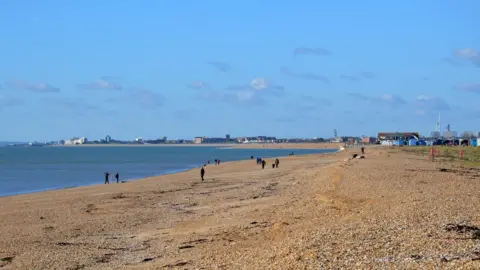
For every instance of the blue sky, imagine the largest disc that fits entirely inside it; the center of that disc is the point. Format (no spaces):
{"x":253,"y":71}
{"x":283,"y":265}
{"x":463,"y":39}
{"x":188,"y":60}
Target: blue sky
{"x":206,"y":68}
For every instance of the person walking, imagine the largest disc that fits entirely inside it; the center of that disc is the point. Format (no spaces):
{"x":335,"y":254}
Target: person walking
{"x":363,"y":150}
{"x":202,"y":173}
{"x":117,"y":176}
{"x":263,"y":164}
{"x":277,"y":162}
{"x":107,"y":175}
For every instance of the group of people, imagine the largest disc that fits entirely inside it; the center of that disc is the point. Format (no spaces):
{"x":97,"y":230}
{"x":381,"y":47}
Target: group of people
{"x":259,"y":161}
{"x":263,"y":162}
{"x":107,"y":177}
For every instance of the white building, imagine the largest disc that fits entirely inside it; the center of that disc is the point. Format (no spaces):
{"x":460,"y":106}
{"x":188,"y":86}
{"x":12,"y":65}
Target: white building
{"x":75,"y":141}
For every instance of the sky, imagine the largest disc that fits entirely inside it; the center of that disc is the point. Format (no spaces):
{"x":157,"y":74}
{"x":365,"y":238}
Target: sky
{"x":208,"y":68}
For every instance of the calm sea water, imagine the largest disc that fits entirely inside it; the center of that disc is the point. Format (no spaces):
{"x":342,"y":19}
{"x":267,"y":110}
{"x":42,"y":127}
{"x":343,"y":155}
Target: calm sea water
{"x":25,"y":170}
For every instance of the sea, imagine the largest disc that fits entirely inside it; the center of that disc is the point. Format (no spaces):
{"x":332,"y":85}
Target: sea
{"x":34,"y":169}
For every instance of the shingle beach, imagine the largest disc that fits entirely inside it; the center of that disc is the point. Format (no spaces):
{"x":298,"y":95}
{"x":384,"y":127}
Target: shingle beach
{"x":390,"y":210}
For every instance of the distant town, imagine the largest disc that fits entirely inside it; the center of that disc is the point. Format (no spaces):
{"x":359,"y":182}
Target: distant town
{"x":448,"y":137}
{"x":437,"y":137}
{"x":163,"y":140}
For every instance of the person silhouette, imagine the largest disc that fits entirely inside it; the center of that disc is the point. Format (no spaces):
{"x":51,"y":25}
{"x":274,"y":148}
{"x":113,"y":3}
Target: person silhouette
{"x":202,"y":173}
{"x":107,"y":175}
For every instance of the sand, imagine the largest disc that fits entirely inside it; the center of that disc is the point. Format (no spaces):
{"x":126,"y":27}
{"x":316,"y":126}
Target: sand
{"x":390,"y":210}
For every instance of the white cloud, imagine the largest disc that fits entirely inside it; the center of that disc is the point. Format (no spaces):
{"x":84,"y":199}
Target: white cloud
{"x":468,"y":54}
{"x":35,"y":87}
{"x":392,"y":99}
{"x":102,"y":84}
{"x":198,"y":85}
{"x":422,"y":97}
{"x":259,"y":84}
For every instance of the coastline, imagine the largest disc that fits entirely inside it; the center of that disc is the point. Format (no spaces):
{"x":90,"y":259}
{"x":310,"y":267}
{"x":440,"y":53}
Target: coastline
{"x":164,"y":173}
{"x":220,"y":145}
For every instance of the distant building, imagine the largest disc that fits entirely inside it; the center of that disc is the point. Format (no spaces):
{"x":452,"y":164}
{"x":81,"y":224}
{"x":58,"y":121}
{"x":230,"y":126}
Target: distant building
{"x":227,"y":137}
{"x":449,"y":134}
{"x":76,"y":141}
{"x":435,"y":134}
{"x":396,"y":138}
{"x":337,"y":140}
{"x":214,"y":140}
{"x":108,"y":139}
{"x":468,"y":134}
{"x":478,"y":134}
{"x":369,"y":140}
{"x":139,"y":140}
{"x":198,"y":140}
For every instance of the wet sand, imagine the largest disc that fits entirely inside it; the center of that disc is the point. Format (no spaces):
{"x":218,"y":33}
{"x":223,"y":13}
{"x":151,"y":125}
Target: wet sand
{"x":390,"y":210}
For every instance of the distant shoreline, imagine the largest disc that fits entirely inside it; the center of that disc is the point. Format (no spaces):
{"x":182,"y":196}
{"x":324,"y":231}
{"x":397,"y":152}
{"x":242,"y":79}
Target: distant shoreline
{"x":221,"y":145}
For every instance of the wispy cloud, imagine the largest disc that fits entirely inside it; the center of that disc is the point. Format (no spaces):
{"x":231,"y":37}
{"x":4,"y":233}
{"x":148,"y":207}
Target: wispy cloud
{"x":241,"y":98}
{"x":427,"y":104}
{"x":258,"y":85}
{"x":34,"y":87}
{"x":358,"y":76}
{"x":311,"y":51}
{"x":147,"y":99}
{"x":392,"y":100}
{"x":249,"y":94}
{"x":358,"y":96}
{"x":198,"y":85}
{"x":305,"y":76}
{"x":111,"y":78}
{"x":349,"y":78}
{"x":468,"y":54}
{"x":468,"y":87}
{"x":221,"y":66}
{"x":367,"y":74}
{"x":102,"y":84}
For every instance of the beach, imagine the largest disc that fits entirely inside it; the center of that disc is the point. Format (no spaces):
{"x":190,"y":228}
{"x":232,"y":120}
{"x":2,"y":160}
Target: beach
{"x":393,"y":209}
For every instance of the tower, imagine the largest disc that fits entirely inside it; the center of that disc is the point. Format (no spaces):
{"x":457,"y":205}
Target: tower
{"x":438,"y":123}
{"x":335,"y":135}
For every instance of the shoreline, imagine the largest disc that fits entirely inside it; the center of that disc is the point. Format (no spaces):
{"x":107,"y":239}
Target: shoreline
{"x":166,"y":173}
{"x":221,"y":145}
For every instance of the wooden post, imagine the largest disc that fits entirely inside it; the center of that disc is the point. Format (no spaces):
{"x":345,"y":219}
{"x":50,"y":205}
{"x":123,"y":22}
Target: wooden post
{"x":461,"y":154}
{"x":432,"y":154}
